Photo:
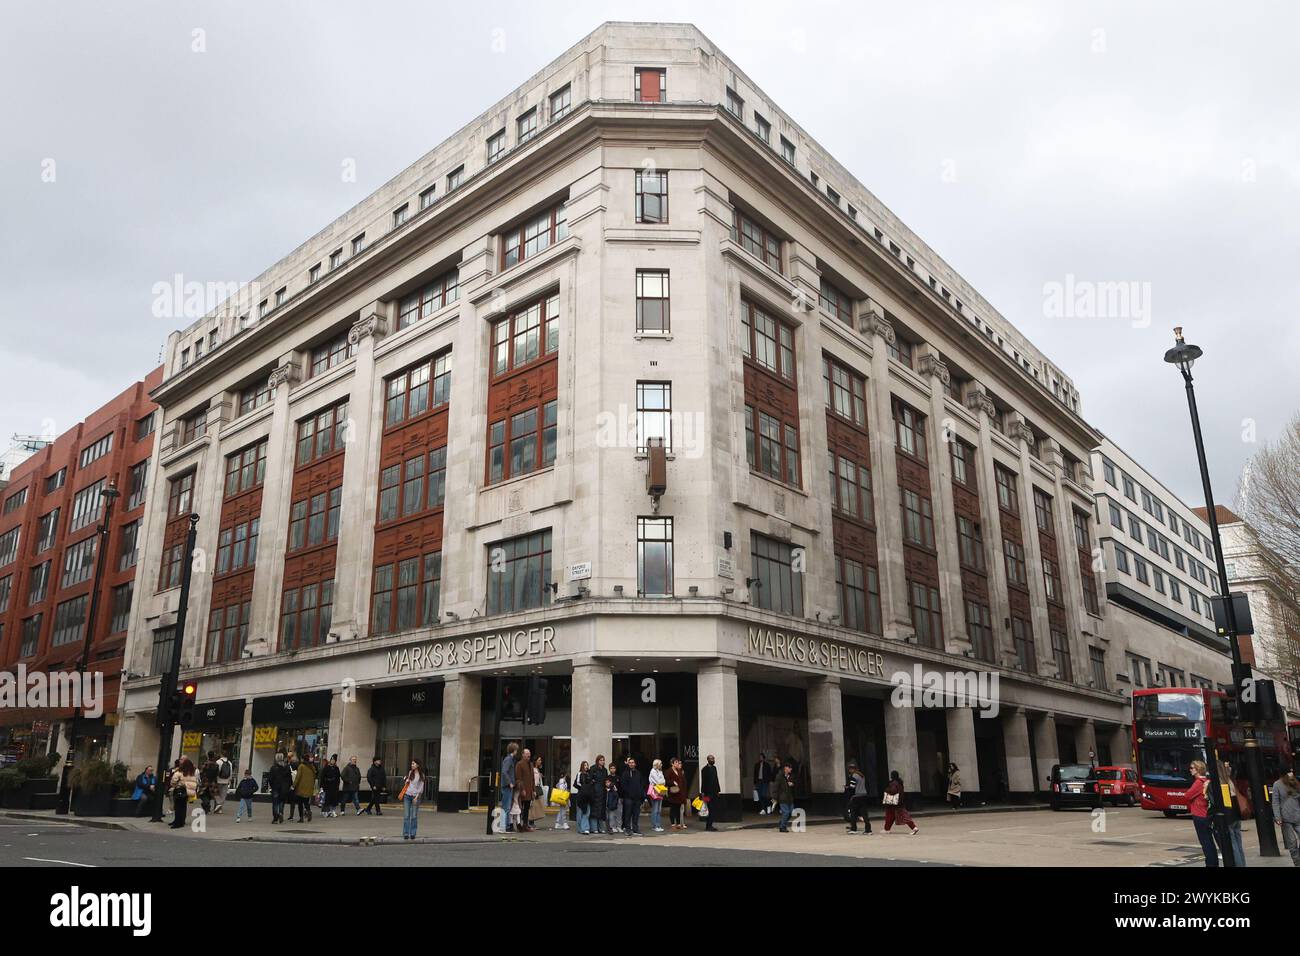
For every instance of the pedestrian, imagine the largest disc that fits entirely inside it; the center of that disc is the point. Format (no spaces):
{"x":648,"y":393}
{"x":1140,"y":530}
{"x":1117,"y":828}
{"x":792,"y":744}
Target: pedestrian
{"x":1199,"y":805}
{"x":378,"y":781}
{"x":954,"y":786}
{"x":658,"y":787}
{"x":208,"y":782}
{"x":146,"y":785}
{"x":783,"y":793}
{"x":304,"y":789}
{"x":537,"y":810}
{"x":184,"y":785}
{"x":709,"y":790}
{"x":855,"y":790}
{"x":762,"y":784}
{"x":895,"y":805}
{"x":524,"y":791}
{"x":561,"y":815}
{"x":675,"y":797}
{"x":1237,"y":809}
{"x":774,"y":767}
{"x":225,"y":776}
{"x":632,"y":785}
{"x":351,"y":778}
{"x":599,"y":804}
{"x":247,"y":787}
{"x":613,"y":805}
{"x":506,"y":784}
{"x":331,"y":778}
{"x":1286,"y":800}
{"x":412,"y":791}
{"x":280,"y":783}
{"x":581,"y":799}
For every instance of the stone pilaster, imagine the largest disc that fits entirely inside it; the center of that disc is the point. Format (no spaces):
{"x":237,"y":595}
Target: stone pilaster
{"x":895,"y":615}
{"x":826,"y":735}
{"x":956,"y":640}
{"x":978,"y":401}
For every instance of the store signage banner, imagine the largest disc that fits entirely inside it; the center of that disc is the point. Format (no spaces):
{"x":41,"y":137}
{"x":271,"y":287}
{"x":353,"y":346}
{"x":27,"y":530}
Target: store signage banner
{"x":495,"y":648}
{"x":834,"y":656}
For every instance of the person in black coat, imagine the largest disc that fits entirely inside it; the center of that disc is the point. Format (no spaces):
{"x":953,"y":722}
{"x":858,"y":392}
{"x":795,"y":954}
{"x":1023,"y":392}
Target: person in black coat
{"x":331,"y":779}
{"x":599,"y":811}
{"x":710,"y":788}
{"x":633,"y":786}
{"x":280,"y":782}
{"x":378,"y":781}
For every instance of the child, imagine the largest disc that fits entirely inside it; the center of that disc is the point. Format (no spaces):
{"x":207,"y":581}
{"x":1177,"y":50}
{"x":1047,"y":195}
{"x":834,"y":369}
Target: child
{"x":613,"y":805}
{"x":562,"y":817}
{"x":247,"y":787}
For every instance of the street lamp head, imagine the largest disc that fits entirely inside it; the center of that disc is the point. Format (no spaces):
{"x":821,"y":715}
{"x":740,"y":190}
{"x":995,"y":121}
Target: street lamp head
{"x":1182,"y":354}
{"x":110,"y":490}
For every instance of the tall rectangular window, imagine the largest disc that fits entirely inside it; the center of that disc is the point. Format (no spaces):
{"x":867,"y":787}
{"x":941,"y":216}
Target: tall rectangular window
{"x":845,"y":392}
{"x":526,"y":126}
{"x":776,"y":586}
{"x":918,"y":519}
{"x":652,"y":300}
{"x":519,"y":573}
{"x":970,"y":543}
{"x":1097,"y":664}
{"x":561,"y":102}
{"x":9,"y":545}
{"x":1014,"y":553}
{"x":651,"y":196}
{"x":927,"y":617}
{"x":455,"y":178}
{"x":322,"y":434}
{"x":1043,"y":512}
{"x":128,"y":549}
{"x":1008,"y":499}
{"x":979,"y":628}
{"x":496,"y":146}
{"x":850,"y":482}
{"x":836,"y":302}
{"x":963,"y":463}
{"x":651,"y":85}
{"x":1061,"y":655}
{"x":909,"y":427}
{"x":654,"y":414}
{"x":654,"y":557}
{"x":120,"y":610}
{"x":139,"y":485}
{"x":46,"y":531}
{"x":246,"y":469}
{"x":30,"y":635}
{"x":69,"y":621}
{"x":1022,"y":637}
{"x":859,"y":591}
{"x":87,"y":505}
{"x":767,"y":341}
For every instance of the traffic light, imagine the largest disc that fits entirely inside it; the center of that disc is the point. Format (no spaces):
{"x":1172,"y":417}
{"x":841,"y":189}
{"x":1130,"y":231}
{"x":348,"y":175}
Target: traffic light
{"x":536,"y":712}
{"x":186,"y":694}
{"x":512,"y":702}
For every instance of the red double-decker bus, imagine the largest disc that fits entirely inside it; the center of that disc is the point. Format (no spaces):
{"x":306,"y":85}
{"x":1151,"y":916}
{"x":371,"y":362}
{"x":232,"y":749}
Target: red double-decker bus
{"x":1170,"y":726}
{"x":1293,"y":734}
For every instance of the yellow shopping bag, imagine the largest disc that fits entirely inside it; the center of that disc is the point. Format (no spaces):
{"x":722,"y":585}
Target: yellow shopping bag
{"x":698,"y":804}
{"x":559,"y":797}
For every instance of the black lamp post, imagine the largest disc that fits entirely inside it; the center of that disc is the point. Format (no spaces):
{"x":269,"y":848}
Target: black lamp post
{"x":109,"y":494}
{"x":1183,"y":356}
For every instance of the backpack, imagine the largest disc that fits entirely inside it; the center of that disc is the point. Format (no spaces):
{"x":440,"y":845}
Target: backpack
{"x":223,"y":769}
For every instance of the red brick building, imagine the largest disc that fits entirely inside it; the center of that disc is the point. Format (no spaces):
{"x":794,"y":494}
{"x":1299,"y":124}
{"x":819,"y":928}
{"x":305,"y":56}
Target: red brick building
{"x":50,"y":511}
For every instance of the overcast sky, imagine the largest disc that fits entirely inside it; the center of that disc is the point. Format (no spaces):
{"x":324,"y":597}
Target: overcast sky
{"x":1026,"y":143}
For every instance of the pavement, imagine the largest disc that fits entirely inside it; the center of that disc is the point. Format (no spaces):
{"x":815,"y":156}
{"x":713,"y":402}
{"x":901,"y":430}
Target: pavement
{"x":993,"y":836}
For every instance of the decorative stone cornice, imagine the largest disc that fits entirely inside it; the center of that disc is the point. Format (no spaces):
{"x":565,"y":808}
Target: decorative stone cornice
{"x":290,"y":373}
{"x":868,"y":315}
{"x":978,"y":400}
{"x":373,"y":324}
{"x":885,"y":329}
{"x":933,"y":365}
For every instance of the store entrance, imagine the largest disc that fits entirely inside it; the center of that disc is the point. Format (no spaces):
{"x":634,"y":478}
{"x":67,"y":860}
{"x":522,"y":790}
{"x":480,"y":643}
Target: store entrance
{"x":398,"y":754}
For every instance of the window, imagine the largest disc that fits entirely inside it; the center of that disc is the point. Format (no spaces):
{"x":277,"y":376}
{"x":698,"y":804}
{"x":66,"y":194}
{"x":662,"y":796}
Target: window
{"x":263,"y":307}
{"x":194,"y":426}
{"x":455,"y":178}
{"x":306,"y":614}
{"x":763,"y":128}
{"x":160,"y":658}
{"x":38,"y":583}
{"x":143,"y":428}
{"x":1129,"y":491}
{"x":438,"y":294}
{"x":87,"y":505}
{"x":406,"y":594}
{"x":927,"y":617}
{"x":6,"y":589}
{"x":918,"y":521}
{"x":561,"y":101}
{"x":963,"y":462}
{"x":409,"y":395}
{"x":1158,"y":579}
{"x":254,"y":397}
{"x":1175,"y":590}
{"x":1140,"y":569}
{"x":46,"y":531}
{"x":336,"y":259}
{"x":1135,"y":529}
{"x":970,"y":543}
{"x":651,"y":85}
{"x":246,"y":469}
{"x":185,"y":356}
{"x":735,"y":105}
{"x":533,"y":235}
{"x":412,"y":486}
{"x":767,"y":341}
{"x":1097,"y":664}
{"x":900,"y":350}
{"x":227,"y":633}
{"x":330,"y":354}
{"x":401,"y":214}
{"x":652,"y":300}
{"x":139,"y":485}
{"x":1082,"y":540}
{"x":121,"y":608}
{"x":1061,"y":655}
{"x":859,"y":591}
{"x":1052,"y":580}
{"x":313,"y":274}
{"x":1043,"y":511}
{"x":1014,"y":553}
{"x":496,"y":146}
{"x":845,"y":392}
{"x":1121,"y":559}
{"x":427,"y":197}
{"x":170,"y":566}
{"x":909,"y":426}
{"x":1008,"y":499}
{"x":787,"y":150}
{"x":88,"y":454}
{"x":757,"y":240}
{"x":314,"y":520}
{"x":56,"y":481}
{"x":526,"y":335}
{"x":776,"y":585}
{"x":851,"y":487}
{"x":979,"y":628}
{"x":31,"y":633}
{"x":651,"y":196}
{"x":514,"y":448}
{"x":1022,"y":637}
{"x":519,"y":573}
{"x":9,"y":545}
{"x":322,"y":434}
{"x":654,"y":557}
{"x":180,"y":495}
{"x":237,"y":546}
{"x":358,"y":244}
{"x":654,"y":413}
{"x":69,"y":621}
{"x":79,"y":562}
{"x":127,"y":550}
{"x":836,"y":302}
{"x":526,"y":126}
{"x":773,"y":456}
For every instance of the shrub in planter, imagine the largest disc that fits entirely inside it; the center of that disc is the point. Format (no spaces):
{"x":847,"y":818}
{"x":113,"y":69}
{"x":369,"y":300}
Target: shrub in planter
{"x":35,"y":767}
{"x":92,"y":789}
{"x":92,"y":775}
{"x":13,"y":792}
{"x":122,"y":783}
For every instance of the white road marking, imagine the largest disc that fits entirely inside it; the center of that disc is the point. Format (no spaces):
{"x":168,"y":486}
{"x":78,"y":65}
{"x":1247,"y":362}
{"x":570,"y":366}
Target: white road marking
{"x":37,"y":859}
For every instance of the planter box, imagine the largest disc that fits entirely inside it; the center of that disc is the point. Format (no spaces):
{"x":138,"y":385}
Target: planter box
{"x":123,"y":807}
{"x":16,"y":799}
{"x":93,"y":803}
{"x":45,"y":801}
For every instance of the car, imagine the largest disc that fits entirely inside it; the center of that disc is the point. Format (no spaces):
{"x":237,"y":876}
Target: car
{"x":1117,"y":785}
{"x":1073,"y":784}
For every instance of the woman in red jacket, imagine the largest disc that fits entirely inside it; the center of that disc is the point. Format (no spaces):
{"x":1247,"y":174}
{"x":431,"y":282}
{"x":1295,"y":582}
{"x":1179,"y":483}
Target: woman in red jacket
{"x":894,"y":805}
{"x":1199,"y":804}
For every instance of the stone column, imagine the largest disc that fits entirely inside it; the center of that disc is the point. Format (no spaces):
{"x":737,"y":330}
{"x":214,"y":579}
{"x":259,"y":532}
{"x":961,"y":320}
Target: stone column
{"x":719,"y":723}
{"x":356,"y":547}
{"x":1015,"y":741}
{"x":900,"y":744}
{"x":1085,"y":741}
{"x":462,"y":719}
{"x":1076,"y":615}
{"x":273,"y":530}
{"x":978,"y":401}
{"x":1045,"y":749}
{"x":209,"y":490}
{"x":1023,"y":435}
{"x":956,"y":640}
{"x":245,"y":739}
{"x":895,"y":613}
{"x":1121,"y":746}
{"x":961,"y":746}
{"x":826,"y":735}
{"x":592,"y":717}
